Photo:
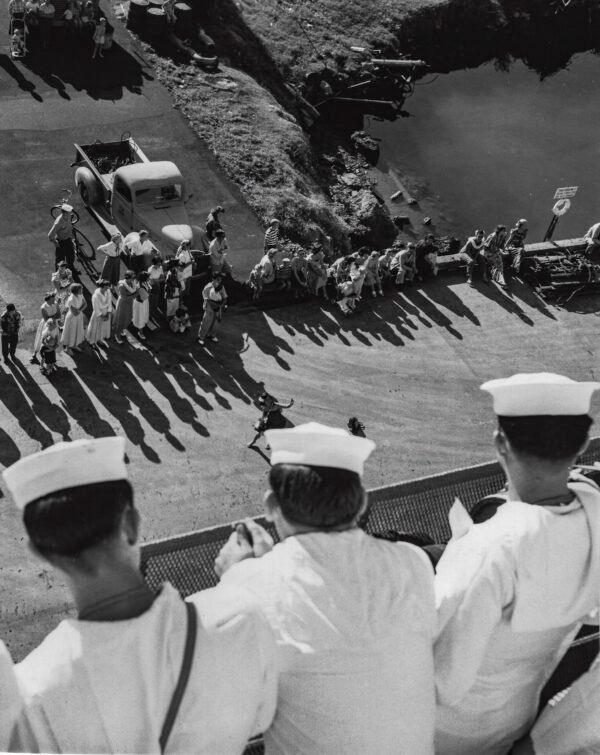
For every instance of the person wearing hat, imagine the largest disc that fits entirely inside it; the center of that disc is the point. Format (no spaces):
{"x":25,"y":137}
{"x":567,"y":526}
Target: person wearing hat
{"x":354,"y":616}
{"x":513,"y":591}
{"x":403,"y":265}
{"x":213,"y":222}
{"x":372,"y":277}
{"x":111,"y":268}
{"x":99,"y":326}
{"x":49,"y":310}
{"x":61,"y":235}
{"x":104,"y":680}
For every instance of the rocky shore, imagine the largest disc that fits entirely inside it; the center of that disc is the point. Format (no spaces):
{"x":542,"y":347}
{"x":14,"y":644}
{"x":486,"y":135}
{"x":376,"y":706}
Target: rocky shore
{"x":311,"y":173}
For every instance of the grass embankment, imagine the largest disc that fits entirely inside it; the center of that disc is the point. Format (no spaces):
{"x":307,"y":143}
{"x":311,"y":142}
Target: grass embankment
{"x":250,"y":115}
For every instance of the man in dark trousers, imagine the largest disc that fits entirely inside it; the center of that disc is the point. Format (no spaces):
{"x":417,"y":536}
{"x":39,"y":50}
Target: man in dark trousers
{"x":10,"y":322}
{"x":61,"y":235}
{"x":271,"y":417}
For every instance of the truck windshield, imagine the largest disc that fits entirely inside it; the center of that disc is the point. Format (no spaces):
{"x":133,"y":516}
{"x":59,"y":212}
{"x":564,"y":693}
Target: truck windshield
{"x":159,"y":194}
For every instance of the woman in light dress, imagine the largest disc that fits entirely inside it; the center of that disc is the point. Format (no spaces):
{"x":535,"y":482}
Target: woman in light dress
{"x":156,"y":277}
{"x":141,"y":304}
{"x":127,"y":290}
{"x":62,"y":280}
{"x":74,"y":329}
{"x":99,"y":327}
{"x":50,"y":311}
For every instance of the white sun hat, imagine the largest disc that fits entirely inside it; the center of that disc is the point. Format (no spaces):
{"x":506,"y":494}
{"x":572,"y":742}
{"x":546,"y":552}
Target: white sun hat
{"x":66,"y":465}
{"x":540,"y":393}
{"x":317,"y":445}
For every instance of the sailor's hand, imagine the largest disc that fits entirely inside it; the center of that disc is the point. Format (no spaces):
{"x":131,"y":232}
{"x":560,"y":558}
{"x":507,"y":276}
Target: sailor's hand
{"x":236,"y":549}
{"x":260,"y":539}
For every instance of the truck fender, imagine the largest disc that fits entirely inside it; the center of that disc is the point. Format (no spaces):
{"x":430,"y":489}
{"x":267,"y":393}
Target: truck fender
{"x":86,"y":183}
{"x":199,"y":238}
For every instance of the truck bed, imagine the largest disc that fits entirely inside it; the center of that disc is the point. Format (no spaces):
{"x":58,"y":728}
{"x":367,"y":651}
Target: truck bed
{"x":106,"y":157}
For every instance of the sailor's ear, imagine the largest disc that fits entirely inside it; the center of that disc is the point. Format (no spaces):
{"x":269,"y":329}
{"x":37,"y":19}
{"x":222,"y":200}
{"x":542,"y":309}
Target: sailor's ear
{"x":270,"y":504}
{"x":501,"y":443}
{"x":130,"y":524}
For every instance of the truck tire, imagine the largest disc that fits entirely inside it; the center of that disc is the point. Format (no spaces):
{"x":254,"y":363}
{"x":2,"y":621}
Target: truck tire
{"x":87,"y":186}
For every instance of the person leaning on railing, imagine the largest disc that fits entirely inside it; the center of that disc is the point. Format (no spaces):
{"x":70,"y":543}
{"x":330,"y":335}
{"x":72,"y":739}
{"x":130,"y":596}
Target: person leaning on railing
{"x":354,"y":616}
{"x":513,"y":591}
{"x":136,"y":671}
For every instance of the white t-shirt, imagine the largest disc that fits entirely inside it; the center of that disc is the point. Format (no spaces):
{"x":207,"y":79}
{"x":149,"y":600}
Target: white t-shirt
{"x":354,"y":619}
{"x":105,"y":687}
{"x":136,"y":246}
{"x":511,"y":593}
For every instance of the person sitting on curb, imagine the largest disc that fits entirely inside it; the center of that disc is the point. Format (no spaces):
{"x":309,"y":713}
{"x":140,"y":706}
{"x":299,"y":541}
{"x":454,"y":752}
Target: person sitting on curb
{"x":471,"y":254}
{"x":403,"y":265}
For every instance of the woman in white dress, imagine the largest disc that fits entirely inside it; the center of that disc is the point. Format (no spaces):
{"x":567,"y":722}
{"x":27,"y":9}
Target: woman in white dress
{"x":99,"y":327}
{"x":50,"y":311}
{"x":74,"y":330}
{"x":141,"y":304}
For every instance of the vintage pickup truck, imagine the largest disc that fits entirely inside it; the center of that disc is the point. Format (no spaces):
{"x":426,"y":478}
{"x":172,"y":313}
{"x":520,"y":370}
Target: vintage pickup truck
{"x":122,"y":188}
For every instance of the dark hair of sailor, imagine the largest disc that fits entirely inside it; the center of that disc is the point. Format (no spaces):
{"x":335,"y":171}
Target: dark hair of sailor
{"x":321,"y":497}
{"x":72,"y":520}
{"x":550,"y":438}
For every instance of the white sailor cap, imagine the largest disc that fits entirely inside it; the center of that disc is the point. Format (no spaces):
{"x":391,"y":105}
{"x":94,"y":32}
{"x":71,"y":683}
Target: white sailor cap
{"x":66,"y":207}
{"x":318,"y":445}
{"x":540,"y":393}
{"x":66,"y":465}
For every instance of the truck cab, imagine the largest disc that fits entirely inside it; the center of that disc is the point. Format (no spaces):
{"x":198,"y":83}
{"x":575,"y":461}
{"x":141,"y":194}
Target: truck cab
{"x":151,"y":196}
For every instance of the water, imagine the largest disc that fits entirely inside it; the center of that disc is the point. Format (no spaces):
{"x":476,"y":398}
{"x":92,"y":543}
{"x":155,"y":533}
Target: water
{"x":494,"y":145}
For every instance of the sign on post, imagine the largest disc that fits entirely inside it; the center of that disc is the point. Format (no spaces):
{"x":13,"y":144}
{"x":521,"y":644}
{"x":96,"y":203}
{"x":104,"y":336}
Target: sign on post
{"x":564,"y":192}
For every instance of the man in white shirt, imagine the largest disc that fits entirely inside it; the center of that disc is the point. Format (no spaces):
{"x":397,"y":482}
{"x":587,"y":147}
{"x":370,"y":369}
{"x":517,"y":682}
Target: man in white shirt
{"x":105,"y":681}
{"x":140,"y":250}
{"x":353,"y":615}
{"x":218,"y":253}
{"x":513,"y":591}
{"x":214,"y":298}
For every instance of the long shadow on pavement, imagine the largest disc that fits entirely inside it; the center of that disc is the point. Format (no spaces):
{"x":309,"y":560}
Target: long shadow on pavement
{"x":16,"y":404}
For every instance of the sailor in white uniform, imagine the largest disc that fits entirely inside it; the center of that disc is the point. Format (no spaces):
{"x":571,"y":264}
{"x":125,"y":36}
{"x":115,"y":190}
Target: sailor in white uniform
{"x":354,"y":616}
{"x":106,"y":681}
{"x":10,"y":698}
{"x":570,"y":726}
{"x":512,"y":592}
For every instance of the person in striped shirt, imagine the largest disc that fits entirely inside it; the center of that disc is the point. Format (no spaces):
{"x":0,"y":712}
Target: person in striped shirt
{"x":272,"y":234}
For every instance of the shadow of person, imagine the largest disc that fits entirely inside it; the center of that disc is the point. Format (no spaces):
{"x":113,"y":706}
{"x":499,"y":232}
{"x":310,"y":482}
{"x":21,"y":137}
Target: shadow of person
{"x":140,"y":362}
{"x":504,"y":300}
{"x":16,"y":404}
{"x":45,"y":410}
{"x":104,"y":384}
{"x":440,"y":292}
{"x":419,"y":300}
{"x":79,"y":406}
{"x":9,"y":451}
{"x":22,"y":82}
{"x":528,"y":296}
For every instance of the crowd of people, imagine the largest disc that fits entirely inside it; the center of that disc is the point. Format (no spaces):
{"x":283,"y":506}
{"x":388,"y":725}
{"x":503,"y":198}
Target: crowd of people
{"x":347,"y":279}
{"x":47,"y":23}
{"x":332,"y":640}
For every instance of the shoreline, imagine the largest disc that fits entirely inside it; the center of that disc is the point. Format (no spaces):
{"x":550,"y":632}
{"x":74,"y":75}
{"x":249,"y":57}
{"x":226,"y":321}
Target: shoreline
{"x":250,"y":111}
